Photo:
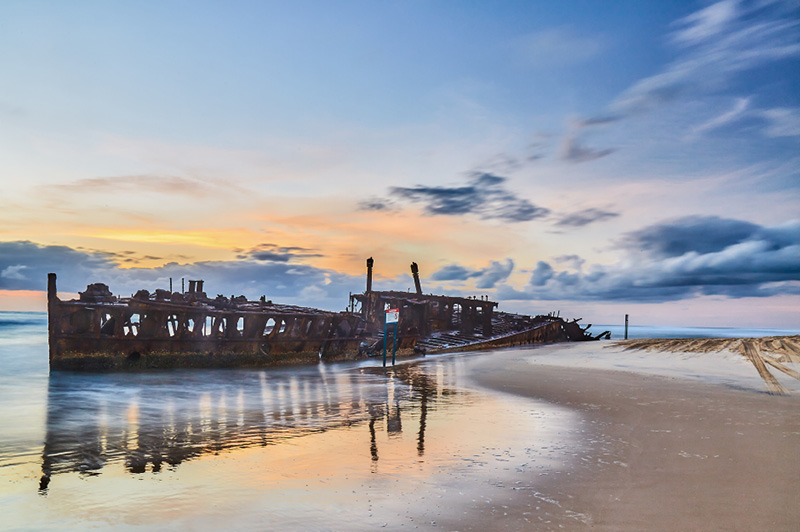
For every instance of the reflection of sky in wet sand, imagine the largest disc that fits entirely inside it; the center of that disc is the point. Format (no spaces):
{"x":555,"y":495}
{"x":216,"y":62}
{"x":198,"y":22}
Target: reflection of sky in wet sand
{"x":324,"y":447}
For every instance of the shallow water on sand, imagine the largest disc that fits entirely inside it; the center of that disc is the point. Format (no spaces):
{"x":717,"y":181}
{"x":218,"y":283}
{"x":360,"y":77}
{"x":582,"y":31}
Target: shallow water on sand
{"x":328,"y":447}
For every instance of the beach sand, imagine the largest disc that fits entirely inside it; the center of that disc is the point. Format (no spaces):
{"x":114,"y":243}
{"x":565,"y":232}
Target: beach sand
{"x":662,"y":447}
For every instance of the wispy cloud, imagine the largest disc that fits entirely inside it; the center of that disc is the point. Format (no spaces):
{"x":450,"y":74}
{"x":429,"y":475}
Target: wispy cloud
{"x":275,"y":253}
{"x":738,"y":111}
{"x":585,"y":217}
{"x":707,"y":23}
{"x":716,"y":43}
{"x":574,"y":151}
{"x":502,"y":163}
{"x":777,"y":121}
{"x":376,"y":204}
{"x":162,"y":184}
{"x":560,"y":46}
{"x":487,"y":196}
{"x":484,"y":195}
{"x":782,"y":122}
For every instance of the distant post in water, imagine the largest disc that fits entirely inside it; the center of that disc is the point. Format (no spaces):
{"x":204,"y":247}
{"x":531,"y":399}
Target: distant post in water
{"x":626,"y":326}
{"x":392,"y":317}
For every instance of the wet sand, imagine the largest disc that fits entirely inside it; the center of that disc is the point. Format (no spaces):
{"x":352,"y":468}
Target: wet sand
{"x":659,"y":453}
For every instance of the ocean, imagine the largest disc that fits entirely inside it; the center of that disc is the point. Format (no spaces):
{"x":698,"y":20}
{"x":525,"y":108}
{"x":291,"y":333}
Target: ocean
{"x":344,"y":446}
{"x":650,"y":331}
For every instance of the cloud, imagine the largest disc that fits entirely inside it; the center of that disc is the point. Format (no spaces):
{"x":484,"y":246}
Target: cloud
{"x":599,"y":120}
{"x":783,"y":122}
{"x":283,"y":281}
{"x":541,"y":274}
{"x":573,"y":261}
{"x":25,"y":265}
{"x":572,"y":147}
{"x":573,"y":151}
{"x":495,"y":273}
{"x":12,"y":111}
{"x":454,"y":272}
{"x":14,"y":272}
{"x":780,"y":121}
{"x":585,"y":217}
{"x":714,"y":44}
{"x":557,"y":47}
{"x":487,"y":277}
{"x":163,"y":184}
{"x":707,"y":23}
{"x":700,"y":234}
{"x":681,"y":259}
{"x":737,"y":112}
{"x":275,"y":253}
{"x":376,"y":204}
{"x":484,"y":195}
{"x":503,"y":162}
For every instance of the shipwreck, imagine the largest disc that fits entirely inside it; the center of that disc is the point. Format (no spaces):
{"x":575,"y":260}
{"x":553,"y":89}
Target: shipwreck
{"x":103,"y":332}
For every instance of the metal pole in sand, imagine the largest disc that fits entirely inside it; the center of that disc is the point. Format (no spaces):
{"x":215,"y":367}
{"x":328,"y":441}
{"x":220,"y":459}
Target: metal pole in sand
{"x":384,"y":343}
{"x":626,"y":326}
{"x":394,"y":342}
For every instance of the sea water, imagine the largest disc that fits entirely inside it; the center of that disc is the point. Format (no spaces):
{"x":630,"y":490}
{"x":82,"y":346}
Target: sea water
{"x":652,"y":331}
{"x":345,"y":446}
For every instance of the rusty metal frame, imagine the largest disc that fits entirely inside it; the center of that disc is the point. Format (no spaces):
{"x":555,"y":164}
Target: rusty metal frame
{"x":125,"y":329}
{"x":100,"y":331}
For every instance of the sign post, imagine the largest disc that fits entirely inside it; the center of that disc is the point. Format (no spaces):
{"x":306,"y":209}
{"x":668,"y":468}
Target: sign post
{"x":393,"y":317}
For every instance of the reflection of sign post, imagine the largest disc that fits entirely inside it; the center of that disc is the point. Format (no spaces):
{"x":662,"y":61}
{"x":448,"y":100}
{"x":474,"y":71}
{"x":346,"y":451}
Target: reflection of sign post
{"x":392,"y":316}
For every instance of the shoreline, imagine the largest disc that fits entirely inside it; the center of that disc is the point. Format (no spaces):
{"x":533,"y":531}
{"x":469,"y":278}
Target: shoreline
{"x":665,"y":453}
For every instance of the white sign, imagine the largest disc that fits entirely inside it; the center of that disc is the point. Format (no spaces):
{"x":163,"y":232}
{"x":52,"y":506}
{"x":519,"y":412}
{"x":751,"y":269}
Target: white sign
{"x":392,"y":315}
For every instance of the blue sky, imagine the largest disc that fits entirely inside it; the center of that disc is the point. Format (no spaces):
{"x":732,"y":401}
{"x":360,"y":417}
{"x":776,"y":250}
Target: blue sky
{"x":545,"y":154}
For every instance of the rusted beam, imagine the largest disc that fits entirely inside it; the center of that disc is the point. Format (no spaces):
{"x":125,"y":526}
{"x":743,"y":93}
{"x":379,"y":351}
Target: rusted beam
{"x":370,"y":262}
{"x":415,"y":274}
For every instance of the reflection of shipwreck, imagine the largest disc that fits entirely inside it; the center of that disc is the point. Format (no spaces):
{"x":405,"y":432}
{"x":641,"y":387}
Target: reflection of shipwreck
{"x":150,"y":423}
{"x":100,"y":331}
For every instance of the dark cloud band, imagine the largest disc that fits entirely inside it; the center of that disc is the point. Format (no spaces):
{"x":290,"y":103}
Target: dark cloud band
{"x":680,"y":259}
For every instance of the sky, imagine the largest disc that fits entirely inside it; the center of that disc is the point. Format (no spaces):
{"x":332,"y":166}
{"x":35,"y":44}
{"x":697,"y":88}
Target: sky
{"x":593,"y":158}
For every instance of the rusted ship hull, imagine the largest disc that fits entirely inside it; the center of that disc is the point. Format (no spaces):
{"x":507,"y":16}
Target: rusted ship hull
{"x":440,"y":324}
{"x":545,"y":333}
{"x":102,"y":332}
{"x":106,"y":333}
